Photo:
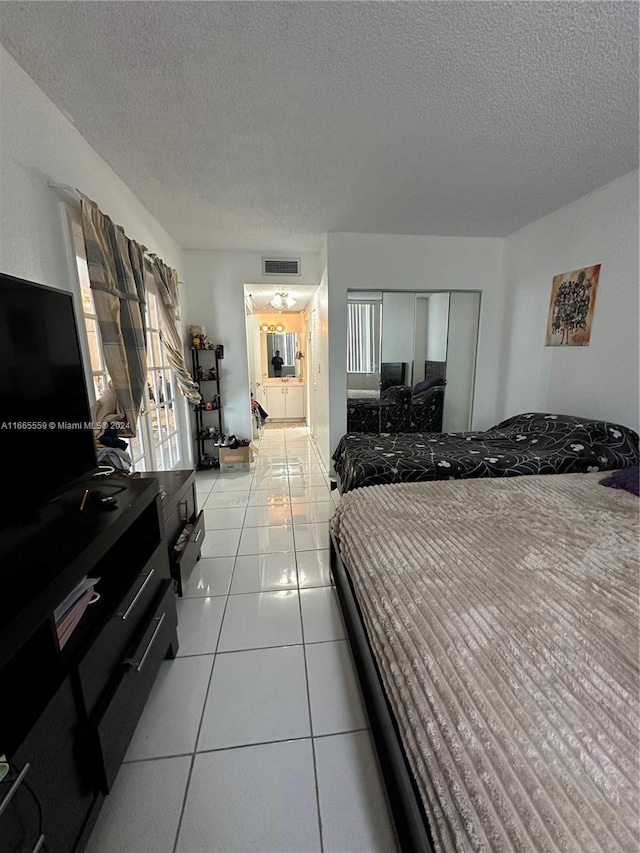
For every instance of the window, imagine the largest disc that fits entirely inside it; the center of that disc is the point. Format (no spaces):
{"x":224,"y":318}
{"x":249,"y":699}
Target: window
{"x":157,"y":445}
{"x":285,"y":343}
{"x":159,"y":412}
{"x":363,"y":336}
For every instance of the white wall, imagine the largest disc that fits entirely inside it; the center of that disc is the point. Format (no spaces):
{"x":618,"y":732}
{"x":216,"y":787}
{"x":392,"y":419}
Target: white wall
{"x":38,"y":144}
{"x":438,"y":329}
{"x":215,"y":287}
{"x":421,"y":343}
{"x":390,"y":262}
{"x":600,"y":380}
{"x":398,"y":325}
{"x":319,"y":361}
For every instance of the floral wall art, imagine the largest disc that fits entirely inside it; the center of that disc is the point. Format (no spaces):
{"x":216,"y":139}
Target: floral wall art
{"x":573,"y":299}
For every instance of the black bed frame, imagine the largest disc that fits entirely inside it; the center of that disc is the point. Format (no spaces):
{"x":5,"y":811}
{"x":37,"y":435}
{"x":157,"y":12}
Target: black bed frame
{"x":411,"y":823}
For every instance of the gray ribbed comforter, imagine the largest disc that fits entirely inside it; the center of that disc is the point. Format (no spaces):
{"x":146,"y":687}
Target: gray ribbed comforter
{"x":503,"y":615}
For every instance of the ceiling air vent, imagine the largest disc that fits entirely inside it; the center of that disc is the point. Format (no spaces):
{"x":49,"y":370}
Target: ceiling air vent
{"x":281,"y":266}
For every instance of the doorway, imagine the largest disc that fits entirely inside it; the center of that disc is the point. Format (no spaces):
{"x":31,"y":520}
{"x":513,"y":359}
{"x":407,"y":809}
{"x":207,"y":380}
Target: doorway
{"x":278,"y":355}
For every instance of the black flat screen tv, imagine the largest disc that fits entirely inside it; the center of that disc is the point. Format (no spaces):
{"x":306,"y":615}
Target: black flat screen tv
{"x":45,"y":421}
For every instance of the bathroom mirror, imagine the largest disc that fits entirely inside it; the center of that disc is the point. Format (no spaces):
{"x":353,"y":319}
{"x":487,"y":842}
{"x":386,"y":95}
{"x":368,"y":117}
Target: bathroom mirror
{"x":280,"y":355}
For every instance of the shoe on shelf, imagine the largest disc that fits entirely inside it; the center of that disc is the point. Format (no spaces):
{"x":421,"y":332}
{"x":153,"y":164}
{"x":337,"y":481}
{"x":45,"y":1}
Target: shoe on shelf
{"x":228,"y":441}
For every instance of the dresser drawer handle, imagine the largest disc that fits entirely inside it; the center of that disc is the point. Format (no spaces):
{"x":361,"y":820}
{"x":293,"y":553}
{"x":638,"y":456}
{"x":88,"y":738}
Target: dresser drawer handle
{"x":185,"y":517}
{"x":39,"y":844}
{"x":127,"y":612}
{"x":137,"y":665}
{"x":197,"y":536}
{"x":16,"y":784}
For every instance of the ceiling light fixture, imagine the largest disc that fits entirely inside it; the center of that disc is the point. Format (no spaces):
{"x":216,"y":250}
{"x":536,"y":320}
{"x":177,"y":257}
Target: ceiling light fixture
{"x":280,"y":300}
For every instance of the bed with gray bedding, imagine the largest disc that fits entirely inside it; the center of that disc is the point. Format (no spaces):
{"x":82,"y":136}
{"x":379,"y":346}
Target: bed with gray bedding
{"x":502,"y":615}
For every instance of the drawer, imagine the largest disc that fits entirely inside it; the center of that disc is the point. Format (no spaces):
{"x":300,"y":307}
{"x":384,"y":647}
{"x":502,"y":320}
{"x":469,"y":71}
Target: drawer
{"x":183,"y":512}
{"x":57,"y":782}
{"x":185,"y":560}
{"x":96,"y":667}
{"x":115,"y":721}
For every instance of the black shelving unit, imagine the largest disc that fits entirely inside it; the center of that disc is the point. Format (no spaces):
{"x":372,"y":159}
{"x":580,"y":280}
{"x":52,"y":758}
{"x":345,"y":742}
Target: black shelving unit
{"x":208,"y":413}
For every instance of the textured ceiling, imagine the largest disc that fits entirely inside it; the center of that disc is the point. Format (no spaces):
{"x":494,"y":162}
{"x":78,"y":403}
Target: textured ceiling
{"x":265,"y":125}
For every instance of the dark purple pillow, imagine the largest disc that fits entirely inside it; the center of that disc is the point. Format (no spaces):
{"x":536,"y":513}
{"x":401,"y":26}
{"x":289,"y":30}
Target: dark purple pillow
{"x":626,"y":478}
{"x":427,"y":383}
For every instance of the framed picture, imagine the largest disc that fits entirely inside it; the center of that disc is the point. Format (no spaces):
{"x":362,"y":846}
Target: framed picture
{"x":573,"y":299}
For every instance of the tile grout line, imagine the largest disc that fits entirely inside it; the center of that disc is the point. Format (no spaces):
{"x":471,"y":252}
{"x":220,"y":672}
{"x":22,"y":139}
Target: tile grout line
{"x":306,"y":676}
{"x":308,"y":737}
{"x":254,"y":483}
{"x":259,"y":648}
{"x":204,"y":705}
{"x":206,"y":696}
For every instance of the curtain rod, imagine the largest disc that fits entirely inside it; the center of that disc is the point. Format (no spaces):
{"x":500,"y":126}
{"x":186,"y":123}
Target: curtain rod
{"x":66,"y":189}
{"x":77,"y":195}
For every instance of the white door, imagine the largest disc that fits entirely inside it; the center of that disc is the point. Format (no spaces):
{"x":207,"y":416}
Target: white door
{"x":276,"y":402}
{"x":294,"y":398}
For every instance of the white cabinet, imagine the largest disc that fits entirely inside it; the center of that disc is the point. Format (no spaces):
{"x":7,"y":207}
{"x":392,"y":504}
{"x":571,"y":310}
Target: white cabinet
{"x":275,"y":402}
{"x":294,"y":402}
{"x":285,"y":402}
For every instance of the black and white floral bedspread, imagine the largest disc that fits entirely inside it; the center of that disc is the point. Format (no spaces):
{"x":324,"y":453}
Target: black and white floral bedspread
{"x":399,"y":411}
{"x":532,"y":443}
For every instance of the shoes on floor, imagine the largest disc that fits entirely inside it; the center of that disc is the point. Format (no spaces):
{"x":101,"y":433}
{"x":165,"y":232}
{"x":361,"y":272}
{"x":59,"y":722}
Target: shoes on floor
{"x":208,"y":462}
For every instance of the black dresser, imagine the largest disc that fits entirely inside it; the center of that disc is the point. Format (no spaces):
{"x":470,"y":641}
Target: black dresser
{"x":180,"y":513}
{"x":69,"y":709}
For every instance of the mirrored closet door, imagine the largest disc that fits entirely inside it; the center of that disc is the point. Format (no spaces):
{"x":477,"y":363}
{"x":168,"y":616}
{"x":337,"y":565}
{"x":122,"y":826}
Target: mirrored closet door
{"x":411,"y":360}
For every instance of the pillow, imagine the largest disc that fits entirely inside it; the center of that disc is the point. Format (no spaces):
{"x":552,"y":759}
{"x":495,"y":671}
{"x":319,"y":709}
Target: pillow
{"x":427,"y":383}
{"x":428,"y":397}
{"x":626,"y":478}
{"x":396,"y":394}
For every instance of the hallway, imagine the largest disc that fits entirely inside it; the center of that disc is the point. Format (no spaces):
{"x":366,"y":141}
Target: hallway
{"x":255,"y":738}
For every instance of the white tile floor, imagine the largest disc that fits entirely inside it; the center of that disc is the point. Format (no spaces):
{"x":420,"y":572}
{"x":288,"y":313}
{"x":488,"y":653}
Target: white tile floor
{"x":254,"y":738}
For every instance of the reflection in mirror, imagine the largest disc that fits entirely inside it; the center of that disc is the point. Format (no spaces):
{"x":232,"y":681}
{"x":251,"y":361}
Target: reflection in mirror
{"x":432,"y":325}
{"x":462,"y":341}
{"x":398,"y":322}
{"x":281,"y":352}
{"x":403,"y":350}
{"x":363,"y":344}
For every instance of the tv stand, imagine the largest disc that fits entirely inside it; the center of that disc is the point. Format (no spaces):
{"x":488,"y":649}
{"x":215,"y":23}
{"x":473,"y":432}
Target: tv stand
{"x":68,"y":713}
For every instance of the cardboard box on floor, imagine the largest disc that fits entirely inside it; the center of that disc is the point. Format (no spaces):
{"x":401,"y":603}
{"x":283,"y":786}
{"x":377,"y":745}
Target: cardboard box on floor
{"x":238,"y":458}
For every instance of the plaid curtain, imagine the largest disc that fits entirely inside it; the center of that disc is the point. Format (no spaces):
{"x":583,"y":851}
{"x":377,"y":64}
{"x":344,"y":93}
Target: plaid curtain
{"x":116,"y":275}
{"x":166,"y":281}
